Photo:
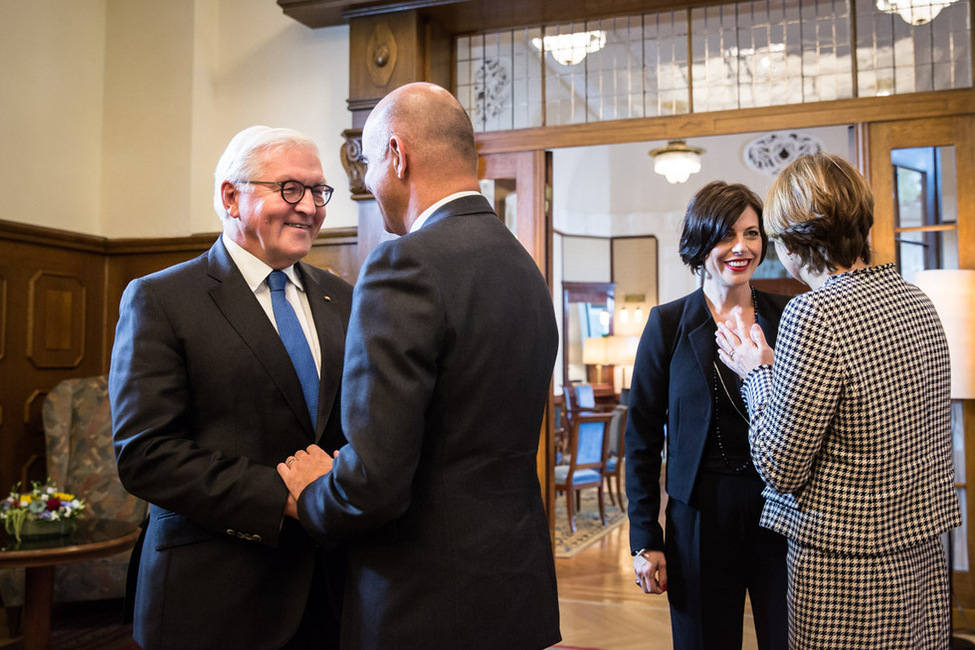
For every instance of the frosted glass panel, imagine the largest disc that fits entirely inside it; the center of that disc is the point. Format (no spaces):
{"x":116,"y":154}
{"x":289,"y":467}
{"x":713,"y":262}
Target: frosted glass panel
{"x":709,"y":58}
{"x":895,"y":57}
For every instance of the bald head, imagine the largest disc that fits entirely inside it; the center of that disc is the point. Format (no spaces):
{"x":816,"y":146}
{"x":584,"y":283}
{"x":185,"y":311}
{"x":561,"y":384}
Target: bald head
{"x":418,"y":143}
{"x":433,"y":124}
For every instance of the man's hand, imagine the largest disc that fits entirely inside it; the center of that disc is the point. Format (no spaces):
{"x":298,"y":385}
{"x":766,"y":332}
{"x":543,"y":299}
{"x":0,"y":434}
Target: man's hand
{"x":300,"y":470}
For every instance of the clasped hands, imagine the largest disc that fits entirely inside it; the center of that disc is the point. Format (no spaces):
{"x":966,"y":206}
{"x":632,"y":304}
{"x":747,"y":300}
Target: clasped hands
{"x":301,"y":470}
{"x":740,"y":349}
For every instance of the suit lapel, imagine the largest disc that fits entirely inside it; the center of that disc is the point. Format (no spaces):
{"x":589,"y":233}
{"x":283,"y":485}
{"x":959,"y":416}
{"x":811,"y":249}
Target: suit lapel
{"x":239,"y":306}
{"x":701,"y":330}
{"x":331,"y":341}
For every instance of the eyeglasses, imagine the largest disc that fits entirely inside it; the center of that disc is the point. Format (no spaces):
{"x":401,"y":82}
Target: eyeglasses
{"x":293,"y":191}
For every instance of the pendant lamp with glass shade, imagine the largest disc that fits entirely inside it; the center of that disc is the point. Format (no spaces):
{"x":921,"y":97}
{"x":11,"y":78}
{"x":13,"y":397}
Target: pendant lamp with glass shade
{"x":677,"y":161}
{"x":914,"y":12}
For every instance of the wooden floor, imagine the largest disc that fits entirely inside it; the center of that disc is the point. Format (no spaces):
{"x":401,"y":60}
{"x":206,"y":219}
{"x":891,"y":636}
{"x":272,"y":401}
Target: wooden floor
{"x":602,"y":608}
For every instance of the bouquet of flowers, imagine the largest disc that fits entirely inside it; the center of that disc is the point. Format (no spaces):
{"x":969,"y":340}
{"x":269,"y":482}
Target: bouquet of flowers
{"x":40,"y":508}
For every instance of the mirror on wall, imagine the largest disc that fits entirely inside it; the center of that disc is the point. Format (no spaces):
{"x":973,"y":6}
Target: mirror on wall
{"x":587,"y":313}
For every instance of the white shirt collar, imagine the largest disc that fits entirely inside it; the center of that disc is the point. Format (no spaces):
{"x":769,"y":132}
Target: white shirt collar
{"x":254,"y":270}
{"x":422,"y":219}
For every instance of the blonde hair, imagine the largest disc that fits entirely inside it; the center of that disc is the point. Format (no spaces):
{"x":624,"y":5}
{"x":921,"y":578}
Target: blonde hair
{"x":821,"y":209}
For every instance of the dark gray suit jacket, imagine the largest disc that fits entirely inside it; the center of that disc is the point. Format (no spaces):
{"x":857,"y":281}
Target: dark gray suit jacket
{"x":205,"y":403}
{"x":447,"y":370}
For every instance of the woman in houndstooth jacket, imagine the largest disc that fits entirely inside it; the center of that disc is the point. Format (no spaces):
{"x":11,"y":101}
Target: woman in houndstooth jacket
{"x":850,"y":426}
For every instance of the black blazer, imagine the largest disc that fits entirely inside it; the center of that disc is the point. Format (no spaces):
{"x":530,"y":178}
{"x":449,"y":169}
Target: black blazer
{"x":205,"y":403}
{"x":448,"y":368}
{"x":672,"y":386}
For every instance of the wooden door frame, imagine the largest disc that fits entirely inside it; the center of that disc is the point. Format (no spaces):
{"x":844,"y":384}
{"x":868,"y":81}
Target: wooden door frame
{"x":532,"y":170}
{"x":957,"y":131}
{"x":919,"y":116}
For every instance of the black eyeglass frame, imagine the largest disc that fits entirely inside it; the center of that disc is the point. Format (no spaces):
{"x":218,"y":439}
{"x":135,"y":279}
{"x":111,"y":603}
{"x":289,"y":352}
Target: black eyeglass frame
{"x":326,"y":192}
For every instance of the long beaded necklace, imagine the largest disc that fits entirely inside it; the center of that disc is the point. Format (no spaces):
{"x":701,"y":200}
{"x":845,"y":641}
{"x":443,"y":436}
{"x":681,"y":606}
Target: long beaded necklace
{"x":717,"y":406}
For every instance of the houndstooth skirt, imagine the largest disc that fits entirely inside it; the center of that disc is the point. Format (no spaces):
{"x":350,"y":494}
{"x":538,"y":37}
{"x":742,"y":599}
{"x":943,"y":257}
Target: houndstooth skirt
{"x":894,"y":601}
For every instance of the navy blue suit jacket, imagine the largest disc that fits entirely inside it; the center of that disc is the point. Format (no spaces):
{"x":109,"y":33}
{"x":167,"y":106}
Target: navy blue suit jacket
{"x":205,"y":402}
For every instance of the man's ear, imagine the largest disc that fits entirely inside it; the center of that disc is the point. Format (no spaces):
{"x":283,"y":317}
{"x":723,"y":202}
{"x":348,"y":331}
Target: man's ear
{"x":397,"y":156}
{"x":230,"y":195}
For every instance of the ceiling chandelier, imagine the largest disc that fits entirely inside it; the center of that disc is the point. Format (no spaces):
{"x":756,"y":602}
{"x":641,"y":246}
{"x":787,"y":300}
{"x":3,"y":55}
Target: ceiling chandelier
{"x":570,"y":49}
{"x":914,"y":12}
{"x":677,"y":161}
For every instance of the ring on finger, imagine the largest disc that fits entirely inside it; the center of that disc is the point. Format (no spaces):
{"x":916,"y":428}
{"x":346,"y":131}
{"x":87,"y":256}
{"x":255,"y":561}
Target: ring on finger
{"x":290,"y":460}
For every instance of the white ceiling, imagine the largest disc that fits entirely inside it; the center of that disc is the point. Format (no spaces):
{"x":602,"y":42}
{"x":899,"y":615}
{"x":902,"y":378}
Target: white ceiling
{"x":612,"y":190}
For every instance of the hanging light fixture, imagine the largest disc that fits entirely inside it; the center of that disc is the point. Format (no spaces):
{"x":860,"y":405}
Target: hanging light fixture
{"x":677,"y":161}
{"x":570,"y":49}
{"x":914,"y":12}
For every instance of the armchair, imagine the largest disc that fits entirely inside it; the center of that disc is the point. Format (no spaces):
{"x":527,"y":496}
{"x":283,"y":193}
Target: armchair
{"x":588,"y":448}
{"x":78,"y":433}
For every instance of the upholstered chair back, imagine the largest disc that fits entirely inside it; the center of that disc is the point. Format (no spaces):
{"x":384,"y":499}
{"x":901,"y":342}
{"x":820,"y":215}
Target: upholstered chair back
{"x":78,"y":433}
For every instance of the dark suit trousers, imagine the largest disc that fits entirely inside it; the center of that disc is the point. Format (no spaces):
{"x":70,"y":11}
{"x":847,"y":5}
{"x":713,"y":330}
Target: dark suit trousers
{"x":716,"y":551}
{"x":319,"y":626}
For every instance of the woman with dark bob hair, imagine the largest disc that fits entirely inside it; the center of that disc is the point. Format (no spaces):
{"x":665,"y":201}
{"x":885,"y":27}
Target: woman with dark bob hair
{"x":714,"y":551}
{"x":850,"y":424}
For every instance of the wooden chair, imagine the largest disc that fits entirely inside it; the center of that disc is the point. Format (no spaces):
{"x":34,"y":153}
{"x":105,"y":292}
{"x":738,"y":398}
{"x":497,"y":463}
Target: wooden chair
{"x":614,"y":464}
{"x":588,"y":448}
{"x":580,"y":398}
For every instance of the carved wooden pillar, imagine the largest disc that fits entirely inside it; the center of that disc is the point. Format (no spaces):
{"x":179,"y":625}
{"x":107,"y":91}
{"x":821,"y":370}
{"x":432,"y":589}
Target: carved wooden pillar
{"x":386,"y":51}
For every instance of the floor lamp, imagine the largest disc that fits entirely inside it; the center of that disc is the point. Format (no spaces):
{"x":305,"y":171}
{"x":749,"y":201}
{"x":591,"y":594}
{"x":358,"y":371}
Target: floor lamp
{"x":953,"y":295}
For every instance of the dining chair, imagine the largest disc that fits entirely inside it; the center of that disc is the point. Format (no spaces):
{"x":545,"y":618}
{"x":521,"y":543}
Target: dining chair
{"x":580,"y":398}
{"x":588,"y":449}
{"x":614,"y":464}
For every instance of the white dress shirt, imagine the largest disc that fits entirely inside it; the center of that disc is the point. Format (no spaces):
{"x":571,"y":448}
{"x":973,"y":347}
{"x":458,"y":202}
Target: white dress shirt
{"x":255,"y":274}
{"x":422,"y":219}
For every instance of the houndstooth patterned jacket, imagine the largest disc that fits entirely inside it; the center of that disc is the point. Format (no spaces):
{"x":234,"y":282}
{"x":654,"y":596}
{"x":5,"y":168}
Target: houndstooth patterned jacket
{"x":851,"y":426}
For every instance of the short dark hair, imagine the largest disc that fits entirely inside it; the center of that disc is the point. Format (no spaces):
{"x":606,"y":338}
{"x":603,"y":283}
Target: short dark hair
{"x":711,"y":215}
{"x":821,"y":209}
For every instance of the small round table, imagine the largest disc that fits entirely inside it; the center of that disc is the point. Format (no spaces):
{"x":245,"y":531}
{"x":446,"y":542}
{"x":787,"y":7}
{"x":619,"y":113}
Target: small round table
{"x":89,"y":539}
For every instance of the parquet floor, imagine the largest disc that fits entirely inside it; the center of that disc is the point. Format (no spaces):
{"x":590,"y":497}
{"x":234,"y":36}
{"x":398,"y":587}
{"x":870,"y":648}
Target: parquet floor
{"x":602,"y":608}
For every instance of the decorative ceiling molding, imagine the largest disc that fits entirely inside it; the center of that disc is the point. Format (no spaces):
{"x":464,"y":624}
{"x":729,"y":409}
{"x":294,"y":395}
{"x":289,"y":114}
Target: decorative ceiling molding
{"x":771,"y":153}
{"x":492,"y":86}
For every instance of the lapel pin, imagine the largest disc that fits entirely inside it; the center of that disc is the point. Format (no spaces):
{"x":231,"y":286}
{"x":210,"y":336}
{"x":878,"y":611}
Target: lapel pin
{"x":328,"y":298}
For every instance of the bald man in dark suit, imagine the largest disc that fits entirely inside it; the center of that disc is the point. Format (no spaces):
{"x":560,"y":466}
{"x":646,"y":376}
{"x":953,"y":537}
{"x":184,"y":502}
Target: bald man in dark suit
{"x":449,"y":362}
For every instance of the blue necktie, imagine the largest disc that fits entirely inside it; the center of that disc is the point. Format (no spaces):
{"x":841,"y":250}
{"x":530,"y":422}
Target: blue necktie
{"x":294,"y":341}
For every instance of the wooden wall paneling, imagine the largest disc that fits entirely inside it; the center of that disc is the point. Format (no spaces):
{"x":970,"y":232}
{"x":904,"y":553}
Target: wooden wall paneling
{"x":53,"y":311}
{"x":772,"y":118}
{"x":34,"y":467}
{"x":384,"y":53}
{"x":957,"y":131}
{"x":59,"y":298}
{"x":390,"y":50}
{"x":56,"y":319}
{"x":3,"y":316}
{"x":335,"y":250}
